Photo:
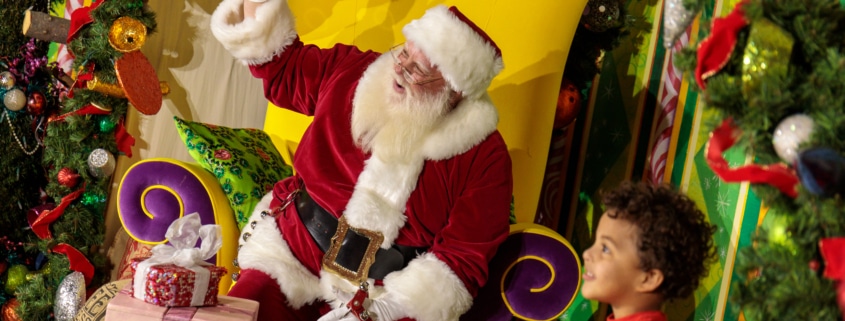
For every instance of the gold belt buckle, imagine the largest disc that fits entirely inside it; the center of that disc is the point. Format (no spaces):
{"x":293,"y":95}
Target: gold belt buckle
{"x":330,"y":258}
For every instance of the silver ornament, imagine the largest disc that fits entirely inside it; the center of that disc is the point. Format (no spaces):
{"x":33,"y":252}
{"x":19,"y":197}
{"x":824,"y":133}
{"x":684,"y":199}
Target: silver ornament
{"x":676,"y":19}
{"x":101,"y":163}
{"x":14,"y":99}
{"x":790,"y":133}
{"x":7,"y":80}
{"x":70,"y":297}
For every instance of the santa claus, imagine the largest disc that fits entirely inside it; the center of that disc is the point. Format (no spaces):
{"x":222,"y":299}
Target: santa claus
{"x":403,"y":184}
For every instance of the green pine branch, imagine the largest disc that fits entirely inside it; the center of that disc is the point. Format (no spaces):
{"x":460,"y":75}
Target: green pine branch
{"x":782,"y":278}
{"x":67,"y":144}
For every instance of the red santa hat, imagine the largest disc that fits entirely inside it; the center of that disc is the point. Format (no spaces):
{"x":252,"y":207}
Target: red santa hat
{"x":464,"y":54}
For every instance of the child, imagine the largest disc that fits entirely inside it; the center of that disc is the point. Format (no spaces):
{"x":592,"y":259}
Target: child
{"x":652,"y":245}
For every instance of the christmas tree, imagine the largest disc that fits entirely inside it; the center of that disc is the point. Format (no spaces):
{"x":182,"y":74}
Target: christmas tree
{"x":30,"y":95}
{"x":775,"y":71}
{"x":79,"y":146}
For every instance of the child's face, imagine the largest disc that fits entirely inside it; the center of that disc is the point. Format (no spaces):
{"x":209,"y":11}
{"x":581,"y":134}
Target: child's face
{"x":611,"y":264}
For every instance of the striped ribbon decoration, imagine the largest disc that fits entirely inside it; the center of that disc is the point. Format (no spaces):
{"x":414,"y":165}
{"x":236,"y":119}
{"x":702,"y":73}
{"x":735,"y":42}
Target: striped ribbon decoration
{"x":64,"y":59}
{"x":668,"y":102}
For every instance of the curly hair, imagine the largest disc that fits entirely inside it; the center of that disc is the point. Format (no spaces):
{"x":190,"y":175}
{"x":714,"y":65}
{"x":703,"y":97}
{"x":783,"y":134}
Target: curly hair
{"x":674,"y":236}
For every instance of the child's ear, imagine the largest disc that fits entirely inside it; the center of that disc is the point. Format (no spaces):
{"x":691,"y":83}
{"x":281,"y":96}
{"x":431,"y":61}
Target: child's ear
{"x":651,"y":280}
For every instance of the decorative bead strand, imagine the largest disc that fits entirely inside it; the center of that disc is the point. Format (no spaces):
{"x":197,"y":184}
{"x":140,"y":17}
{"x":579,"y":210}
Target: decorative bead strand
{"x":11,"y":245}
{"x":21,"y":145}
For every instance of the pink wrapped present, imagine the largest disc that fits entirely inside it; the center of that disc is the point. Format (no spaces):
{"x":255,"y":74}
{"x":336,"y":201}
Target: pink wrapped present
{"x":177,"y":274}
{"x":176,"y":286}
{"x":123,"y":307}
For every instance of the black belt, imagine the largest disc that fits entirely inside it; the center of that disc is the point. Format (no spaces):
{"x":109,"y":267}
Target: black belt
{"x":322,"y":226}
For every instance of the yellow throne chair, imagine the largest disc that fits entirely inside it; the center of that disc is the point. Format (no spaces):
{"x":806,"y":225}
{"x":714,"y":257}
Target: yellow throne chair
{"x":536,"y":273}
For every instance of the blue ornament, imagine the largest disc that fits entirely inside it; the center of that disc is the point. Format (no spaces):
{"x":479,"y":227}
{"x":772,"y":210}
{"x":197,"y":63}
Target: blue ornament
{"x":822,"y":171}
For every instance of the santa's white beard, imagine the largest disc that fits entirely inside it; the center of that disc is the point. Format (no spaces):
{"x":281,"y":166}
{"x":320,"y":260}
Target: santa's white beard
{"x":392,"y":124}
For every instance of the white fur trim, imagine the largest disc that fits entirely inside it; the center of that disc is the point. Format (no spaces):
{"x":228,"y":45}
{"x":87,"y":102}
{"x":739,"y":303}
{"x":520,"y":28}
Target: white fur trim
{"x":467,"y":61}
{"x":428,"y":290}
{"x":332,"y":284}
{"x":266,"y":251}
{"x":254,"y":41}
{"x":466,"y":126}
{"x":378,"y":201}
{"x":384,"y":186}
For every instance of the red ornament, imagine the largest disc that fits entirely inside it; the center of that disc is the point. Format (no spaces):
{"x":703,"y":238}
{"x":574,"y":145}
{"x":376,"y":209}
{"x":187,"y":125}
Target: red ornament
{"x":35,"y":103}
{"x":568,"y":104}
{"x":814,"y":265}
{"x":68,"y":177}
{"x":9,"y":310}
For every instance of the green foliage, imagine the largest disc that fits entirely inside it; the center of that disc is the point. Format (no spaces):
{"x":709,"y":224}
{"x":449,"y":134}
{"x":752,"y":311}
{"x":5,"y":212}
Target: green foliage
{"x":783,"y":280}
{"x":21,"y":175}
{"x":67,"y":144}
{"x":12,"y":12}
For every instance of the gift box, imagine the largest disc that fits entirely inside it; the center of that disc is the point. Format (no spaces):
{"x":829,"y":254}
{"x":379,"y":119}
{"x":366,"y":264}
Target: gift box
{"x":177,"y":275}
{"x":176,"y":286}
{"x":124,"y":307}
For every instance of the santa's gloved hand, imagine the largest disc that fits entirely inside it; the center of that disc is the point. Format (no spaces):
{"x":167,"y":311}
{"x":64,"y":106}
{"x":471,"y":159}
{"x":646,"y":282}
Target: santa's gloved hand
{"x":340,"y":314}
{"x":381,"y":309}
{"x":384,"y":309}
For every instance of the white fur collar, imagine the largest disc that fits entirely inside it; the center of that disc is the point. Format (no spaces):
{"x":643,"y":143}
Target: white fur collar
{"x":381,"y":193}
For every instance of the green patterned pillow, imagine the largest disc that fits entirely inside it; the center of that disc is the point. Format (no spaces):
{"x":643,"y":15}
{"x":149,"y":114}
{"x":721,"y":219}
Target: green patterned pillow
{"x":244,"y":160}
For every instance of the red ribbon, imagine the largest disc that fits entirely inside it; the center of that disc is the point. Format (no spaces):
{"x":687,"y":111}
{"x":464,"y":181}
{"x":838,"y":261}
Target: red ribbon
{"x":715,"y":51}
{"x":82,"y":77}
{"x":87,"y":110}
{"x":777,"y":175}
{"x":124,"y":140}
{"x":833,"y":253}
{"x":80,"y":18}
{"x":77,"y":260}
{"x":41,"y":226}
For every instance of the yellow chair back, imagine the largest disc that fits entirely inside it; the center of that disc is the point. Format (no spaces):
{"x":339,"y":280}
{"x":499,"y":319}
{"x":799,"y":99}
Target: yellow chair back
{"x":534,"y":37}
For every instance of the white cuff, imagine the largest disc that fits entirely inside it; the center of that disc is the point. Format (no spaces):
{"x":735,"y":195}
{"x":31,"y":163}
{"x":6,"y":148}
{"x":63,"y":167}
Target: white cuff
{"x":266,"y":251}
{"x":413,"y":286}
{"x":254,"y":41}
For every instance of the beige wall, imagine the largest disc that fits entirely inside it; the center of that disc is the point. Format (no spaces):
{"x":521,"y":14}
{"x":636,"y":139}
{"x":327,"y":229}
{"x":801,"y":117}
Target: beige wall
{"x":206,"y":84}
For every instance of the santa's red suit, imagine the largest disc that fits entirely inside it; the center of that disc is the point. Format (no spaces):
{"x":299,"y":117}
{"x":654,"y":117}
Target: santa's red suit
{"x":450,"y":193}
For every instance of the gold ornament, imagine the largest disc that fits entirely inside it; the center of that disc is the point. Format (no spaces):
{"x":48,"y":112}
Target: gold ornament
{"x":127,"y":34}
{"x":44,"y":270}
{"x":9,"y":313}
{"x":165,"y":88}
{"x":113,"y":90}
{"x":766,"y":55}
{"x":15,"y":276}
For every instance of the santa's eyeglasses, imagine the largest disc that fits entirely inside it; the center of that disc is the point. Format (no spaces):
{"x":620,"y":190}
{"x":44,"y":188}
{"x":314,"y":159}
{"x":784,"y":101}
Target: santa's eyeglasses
{"x":412,"y":75}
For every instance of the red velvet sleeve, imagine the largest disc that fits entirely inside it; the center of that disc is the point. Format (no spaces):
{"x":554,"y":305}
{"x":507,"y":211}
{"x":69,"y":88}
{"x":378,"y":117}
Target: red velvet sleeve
{"x":296,"y":77}
{"x":479,"y":218}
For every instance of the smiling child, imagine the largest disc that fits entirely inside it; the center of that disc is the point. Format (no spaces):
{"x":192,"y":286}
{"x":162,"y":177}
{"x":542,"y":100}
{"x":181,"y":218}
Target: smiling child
{"x":652,"y":244}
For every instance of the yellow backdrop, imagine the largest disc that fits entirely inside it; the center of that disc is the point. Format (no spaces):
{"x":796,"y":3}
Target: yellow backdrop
{"x":534,"y":37}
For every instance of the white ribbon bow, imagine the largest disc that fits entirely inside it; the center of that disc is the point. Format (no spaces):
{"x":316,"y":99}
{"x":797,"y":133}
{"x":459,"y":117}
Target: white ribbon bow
{"x":183,"y":234}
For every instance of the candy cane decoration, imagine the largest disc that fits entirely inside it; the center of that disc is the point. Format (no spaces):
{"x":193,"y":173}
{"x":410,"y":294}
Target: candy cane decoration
{"x":666,"y":121}
{"x":64,"y":59}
